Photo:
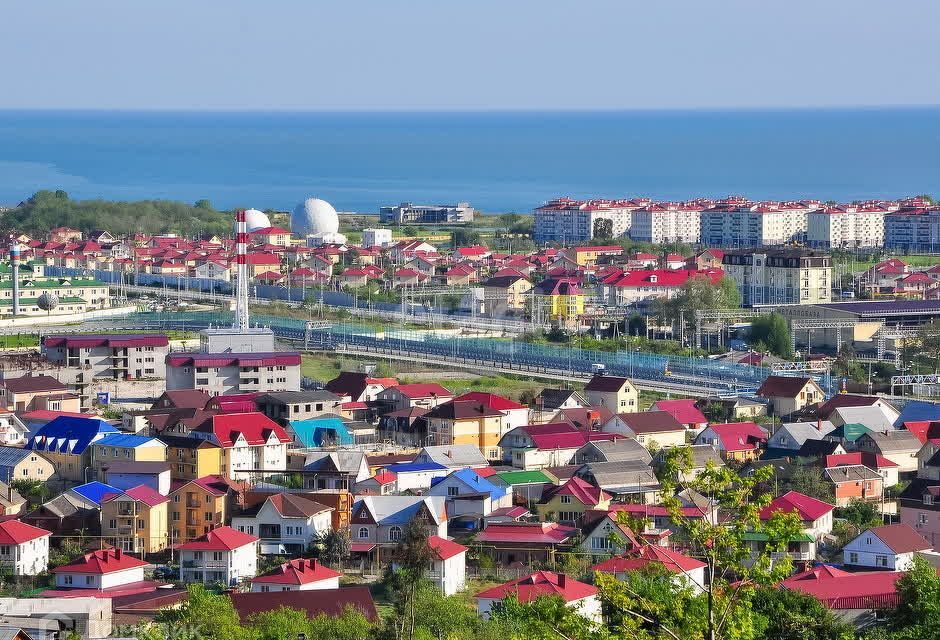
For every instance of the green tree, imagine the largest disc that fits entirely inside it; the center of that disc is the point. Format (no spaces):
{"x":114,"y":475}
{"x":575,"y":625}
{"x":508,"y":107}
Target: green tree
{"x":462,"y":237}
{"x":809,"y":480}
{"x":412,"y":556}
{"x":335,"y":547}
{"x":928,"y":345}
{"x":792,"y":615}
{"x":205,"y":615}
{"x":697,"y":294}
{"x":34,"y":491}
{"x":545,"y":618}
{"x":918,"y":614}
{"x":772,"y":331}
{"x":603,"y":229}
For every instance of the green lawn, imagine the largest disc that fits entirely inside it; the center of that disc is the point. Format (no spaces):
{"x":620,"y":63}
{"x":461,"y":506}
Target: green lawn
{"x":18,"y":340}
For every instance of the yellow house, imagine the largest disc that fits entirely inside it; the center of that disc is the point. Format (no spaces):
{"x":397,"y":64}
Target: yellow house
{"x":192,"y":458}
{"x":135,"y":520}
{"x":505,"y":295}
{"x":198,"y":506}
{"x":788,"y":394}
{"x":467,"y":422}
{"x":616,"y":394}
{"x":562,"y":298}
{"x":125,"y":448}
{"x":587,"y":256}
{"x":568,"y":502}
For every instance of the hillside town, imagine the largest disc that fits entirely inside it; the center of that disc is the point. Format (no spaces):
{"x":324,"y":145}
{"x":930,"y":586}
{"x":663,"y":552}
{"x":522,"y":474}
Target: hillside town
{"x":146,"y":473}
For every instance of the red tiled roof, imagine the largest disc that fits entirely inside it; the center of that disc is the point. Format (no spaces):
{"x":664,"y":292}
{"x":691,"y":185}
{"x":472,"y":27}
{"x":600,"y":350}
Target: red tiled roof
{"x":82,"y":341}
{"x":579,"y":489}
{"x":385,"y":477}
{"x":526,"y":532}
{"x":16,"y":532}
{"x":870,"y":460}
{"x":444,"y":548}
{"x":424,"y":390}
{"x":541,"y":583}
{"x":101,"y":562}
{"x":672,"y":561}
{"x":900,"y":538}
{"x":314,"y":603}
{"x":32,"y":383}
{"x":141,"y":493}
{"x":665,"y":277}
{"x":783,"y":386}
{"x":491,"y":400}
{"x":645,"y":422}
{"x":739,"y":436}
{"x":839,"y":589}
{"x":298,"y":571}
{"x":254,"y":427}
{"x":806,"y":507}
{"x":683,"y":410}
{"x":220,"y":539}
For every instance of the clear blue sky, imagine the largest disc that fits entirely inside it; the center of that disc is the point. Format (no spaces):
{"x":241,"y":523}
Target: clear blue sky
{"x":473,"y":54}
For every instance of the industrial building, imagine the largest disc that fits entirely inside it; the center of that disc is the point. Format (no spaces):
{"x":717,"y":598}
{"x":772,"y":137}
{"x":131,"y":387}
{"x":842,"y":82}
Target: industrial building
{"x":408,"y":213}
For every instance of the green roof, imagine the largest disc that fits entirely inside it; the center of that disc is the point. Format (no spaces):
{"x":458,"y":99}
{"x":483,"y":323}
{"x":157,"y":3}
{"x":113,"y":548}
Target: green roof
{"x":52,"y":283}
{"x":35,"y":301}
{"x":763,"y":537}
{"x":851,"y":431}
{"x":523,"y":477}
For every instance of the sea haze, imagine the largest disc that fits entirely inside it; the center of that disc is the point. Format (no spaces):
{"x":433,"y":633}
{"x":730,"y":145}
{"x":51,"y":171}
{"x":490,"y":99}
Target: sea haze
{"x":499,"y":161}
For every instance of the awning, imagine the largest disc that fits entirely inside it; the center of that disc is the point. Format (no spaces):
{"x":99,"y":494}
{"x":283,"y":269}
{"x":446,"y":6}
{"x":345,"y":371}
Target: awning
{"x":362,"y":547}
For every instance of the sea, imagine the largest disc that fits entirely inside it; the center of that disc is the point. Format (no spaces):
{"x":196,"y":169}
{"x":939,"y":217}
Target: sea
{"x":496,"y":161}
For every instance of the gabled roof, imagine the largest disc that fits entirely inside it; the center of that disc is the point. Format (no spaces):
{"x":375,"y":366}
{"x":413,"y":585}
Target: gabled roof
{"x":894,"y":441}
{"x":389,"y":510}
{"x":646,"y":422}
{"x":683,"y":410}
{"x":32,"y":383}
{"x":870,"y":460}
{"x":140,"y":493}
{"x":851,"y":473}
{"x":900,"y":538}
{"x":549,"y":398}
{"x":423,"y":390}
{"x":67,"y":434}
{"x":783,"y":386}
{"x":490,"y":400}
{"x":253,"y":426}
{"x":444,"y":548}
{"x":603,"y":383}
{"x":453,"y":455}
{"x":539,"y":584}
{"x":289,"y":505}
{"x":738,"y":436}
{"x":671,"y":561}
{"x":101,"y":562}
{"x":95,"y":491}
{"x":220,"y":539}
{"x":16,"y":532}
{"x":580,"y":490}
{"x":806,"y":507}
{"x":472,"y":480}
{"x":526,"y":532}
{"x":462,"y":410}
{"x":314,"y":603}
{"x":127,"y":440}
{"x":298,"y":571}
{"x":839,"y":589}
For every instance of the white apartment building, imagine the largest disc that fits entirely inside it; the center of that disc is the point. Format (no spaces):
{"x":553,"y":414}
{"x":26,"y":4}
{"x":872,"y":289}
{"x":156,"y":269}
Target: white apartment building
{"x":24,"y":549}
{"x":376,"y":238}
{"x":915,"y":229}
{"x":570,"y":221}
{"x":118,"y":356}
{"x":780,"y":276}
{"x":233,"y":373}
{"x":661,"y":222}
{"x":739,"y":223}
{"x":846,"y":226}
{"x":222,"y":555}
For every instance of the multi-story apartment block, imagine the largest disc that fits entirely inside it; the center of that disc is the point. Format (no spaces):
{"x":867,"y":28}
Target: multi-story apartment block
{"x":118,"y":356}
{"x":913,"y":229}
{"x":232,"y":373}
{"x":735,"y":222}
{"x":408,"y":213}
{"x":251,"y":443}
{"x":780,"y":276}
{"x":198,"y":506}
{"x":74,"y":294}
{"x":847,"y":226}
{"x":568,"y":221}
{"x":661,"y":222}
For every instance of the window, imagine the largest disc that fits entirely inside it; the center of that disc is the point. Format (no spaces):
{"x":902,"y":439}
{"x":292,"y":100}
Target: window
{"x":928,"y":498}
{"x":89,"y":579}
{"x":566,"y":499}
{"x":141,"y":524}
{"x":112,"y":524}
{"x":601,"y":543}
{"x":67,"y":579}
{"x":881,"y":561}
{"x":453,"y":491}
{"x":207,"y":516}
{"x":176,"y":516}
{"x":394,"y":534}
{"x":921,"y":518}
{"x":265,"y":588}
{"x":363,"y":532}
{"x":853,"y":557}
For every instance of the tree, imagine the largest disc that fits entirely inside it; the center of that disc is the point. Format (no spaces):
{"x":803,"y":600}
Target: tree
{"x":335,"y":547}
{"x":928,"y":344}
{"x":809,"y":480}
{"x":918,"y":613}
{"x":34,"y":491}
{"x":698,"y":294}
{"x":464,"y":237}
{"x":412,"y":556}
{"x":772,"y":331}
{"x":603,"y":229}
{"x":548,"y":618}
{"x":792,"y":615}
{"x":205,"y":615}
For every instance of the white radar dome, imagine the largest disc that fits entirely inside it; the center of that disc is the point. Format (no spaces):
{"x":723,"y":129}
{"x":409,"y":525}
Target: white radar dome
{"x":314,"y":216}
{"x":255,"y":220}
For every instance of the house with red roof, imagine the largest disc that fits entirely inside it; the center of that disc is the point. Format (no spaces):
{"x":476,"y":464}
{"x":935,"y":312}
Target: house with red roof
{"x":136,"y":520}
{"x":688,"y":573}
{"x":637,"y":285}
{"x":261,"y":262}
{"x":358,"y":386}
{"x":250,"y":442}
{"x":553,"y":444}
{"x":857,"y":598}
{"x":887,"y":469}
{"x":104,"y":570}
{"x":287,"y":523}
{"x":408,"y":277}
{"x":815,"y":515}
{"x":524,"y":542}
{"x":685,"y":411}
{"x":655,"y":429}
{"x":889,"y":547}
{"x":615,"y":393}
{"x":270,"y":235}
{"x":460,"y":274}
{"x":789,"y":394}
{"x":448,"y":565}
{"x":740,"y":441}
{"x":382,"y":483}
{"x":604,"y":535}
{"x":222,"y":555}
{"x":24,"y":549}
{"x":299,"y":574}
{"x":568,"y":502}
{"x":579,"y":596}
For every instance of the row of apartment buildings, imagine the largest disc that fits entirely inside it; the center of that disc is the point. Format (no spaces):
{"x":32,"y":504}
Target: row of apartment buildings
{"x":738,"y":222}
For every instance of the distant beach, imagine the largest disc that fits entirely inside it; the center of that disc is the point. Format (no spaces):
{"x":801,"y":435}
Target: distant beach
{"x":501,"y":161}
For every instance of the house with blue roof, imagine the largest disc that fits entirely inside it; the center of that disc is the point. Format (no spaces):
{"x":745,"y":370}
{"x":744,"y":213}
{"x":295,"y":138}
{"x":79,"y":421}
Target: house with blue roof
{"x":66,"y":443}
{"x":417,"y":475}
{"x":94,"y":491}
{"x":918,"y":411}
{"x":124,"y":447}
{"x":470,"y":497}
{"x":318,"y":432}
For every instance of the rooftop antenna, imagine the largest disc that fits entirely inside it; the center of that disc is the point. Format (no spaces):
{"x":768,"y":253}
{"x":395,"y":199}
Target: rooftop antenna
{"x":241,"y":291}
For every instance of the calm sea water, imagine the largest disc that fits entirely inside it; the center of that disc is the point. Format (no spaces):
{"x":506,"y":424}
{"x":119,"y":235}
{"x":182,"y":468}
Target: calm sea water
{"x":495,"y":161}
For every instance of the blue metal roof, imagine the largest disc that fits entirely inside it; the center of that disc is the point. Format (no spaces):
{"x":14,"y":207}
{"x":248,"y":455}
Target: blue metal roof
{"x":313,"y":432}
{"x":415,"y":467}
{"x":68,"y":434}
{"x":95,"y":491}
{"x":124,"y":440}
{"x":480,"y":484}
{"x":918,"y":410}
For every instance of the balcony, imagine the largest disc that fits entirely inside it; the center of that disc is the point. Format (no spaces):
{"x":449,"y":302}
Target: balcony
{"x":796,"y":556}
{"x":205,"y":564}
{"x":193,"y":503}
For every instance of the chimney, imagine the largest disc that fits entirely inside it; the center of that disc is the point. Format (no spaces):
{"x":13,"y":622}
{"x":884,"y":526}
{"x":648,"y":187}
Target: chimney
{"x":117,"y":553}
{"x":818,"y":424}
{"x":562,"y":581}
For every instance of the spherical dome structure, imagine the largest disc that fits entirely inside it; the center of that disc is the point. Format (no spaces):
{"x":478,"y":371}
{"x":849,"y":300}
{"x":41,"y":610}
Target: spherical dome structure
{"x":314,"y":216}
{"x":255,"y":220}
{"x":48,"y":301}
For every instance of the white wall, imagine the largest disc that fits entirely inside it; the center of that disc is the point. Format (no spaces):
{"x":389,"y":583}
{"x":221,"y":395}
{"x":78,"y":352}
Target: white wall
{"x":103,"y":581}
{"x":868,"y":548}
{"x":451,"y":575}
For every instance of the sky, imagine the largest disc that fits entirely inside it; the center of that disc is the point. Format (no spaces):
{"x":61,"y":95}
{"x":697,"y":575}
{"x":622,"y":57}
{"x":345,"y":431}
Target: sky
{"x":472,"y":55}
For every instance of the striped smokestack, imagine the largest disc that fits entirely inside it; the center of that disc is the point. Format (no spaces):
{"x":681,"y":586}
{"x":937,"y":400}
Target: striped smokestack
{"x":241,"y":271}
{"x":15,"y":264}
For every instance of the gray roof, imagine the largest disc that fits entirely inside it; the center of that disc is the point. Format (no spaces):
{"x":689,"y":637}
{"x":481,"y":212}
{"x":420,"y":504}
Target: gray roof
{"x":800,"y":432}
{"x":14,"y":496}
{"x":68,"y":504}
{"x":620,"y":450}
{"x":874,"y":418}
{"x":343,"y":461}
{"x":296,"y":397}
{"x":894,"y":440}
{"x":554,"y":398}
{"x":456,"y":455}
{"x":851,"y":473}
{"x":11,"y":456}
{"x":702,"y":454}
{"x":389,"y":510}
{"x":619,"y":475}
